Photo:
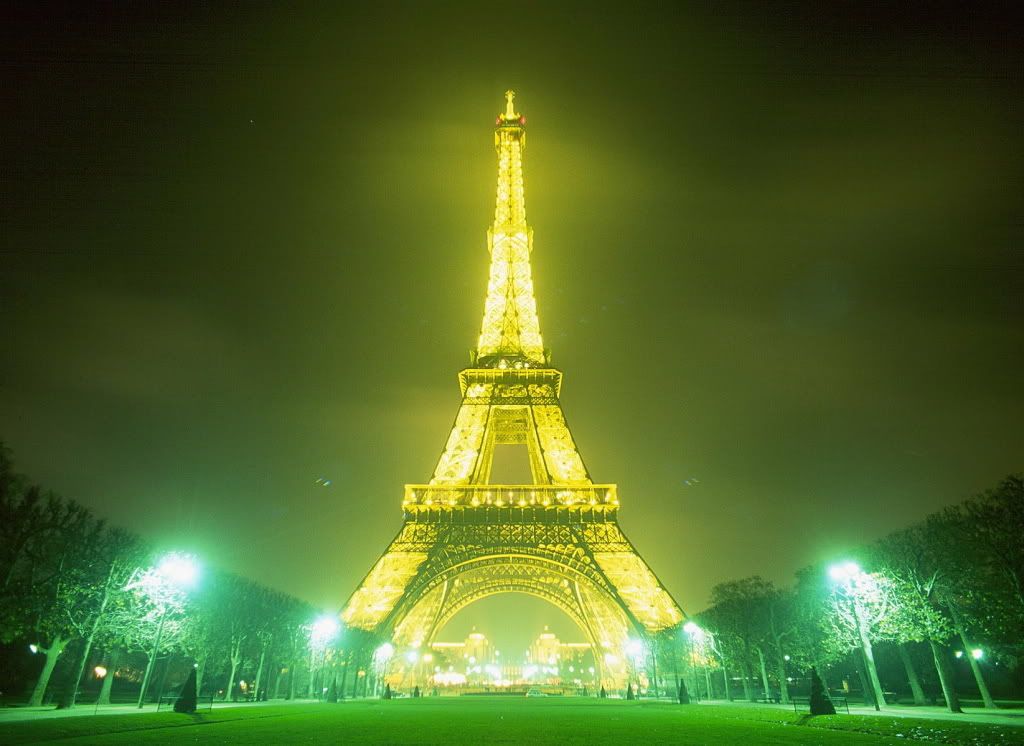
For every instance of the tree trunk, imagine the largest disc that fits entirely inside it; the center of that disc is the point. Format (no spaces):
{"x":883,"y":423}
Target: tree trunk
{"x":52,"y":653}
{"x":748,"y":690}
{"x":979,"y":678}
{"x":78,"y":663}
{"x":312,"y":676}
{"x":865,"y":685}
{"x":945,"y":676}
{"x":783,"y":683}
{"x":291,"y":679}
{"x":764,"y":675}
{"x":707,"y":682}
{"x":108,"y":680}
{"x":915,"y":684}
{"x":228,"y":693}
{"x":259,"y":672}
{"x":200,"y":672}
{"x":344,"y":678}
{"x":277,"y":683}
{"x":654,"y":667}
{"x":869,"y":663}
{"x":152,"y":660}
{"x":76,"y":682}
{"x":725,"y":681}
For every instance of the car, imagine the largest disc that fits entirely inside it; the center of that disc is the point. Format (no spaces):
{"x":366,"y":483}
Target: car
{"x":535,"y":692}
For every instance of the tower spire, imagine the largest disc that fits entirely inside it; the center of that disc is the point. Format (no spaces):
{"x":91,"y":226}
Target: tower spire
{"x":510,"y":112}
{"x":510,"y":332}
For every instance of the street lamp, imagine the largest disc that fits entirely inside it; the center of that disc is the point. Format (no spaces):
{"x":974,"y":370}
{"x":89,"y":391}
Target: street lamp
{"x":697,"y":637}
{"x":165,"y":586}
{"x":322,"y":632}
{"x":101,"y":673}
{"x":844,"y":572}
{"x":381,"y":656}
{"x":849,"y":577}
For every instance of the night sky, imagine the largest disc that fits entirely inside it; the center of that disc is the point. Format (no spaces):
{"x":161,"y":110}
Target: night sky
{"x":778,"y":255}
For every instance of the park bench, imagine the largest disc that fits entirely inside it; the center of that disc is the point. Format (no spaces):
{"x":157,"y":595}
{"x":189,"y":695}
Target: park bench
{"x":202,"y":703}
{"x":805,"y":702}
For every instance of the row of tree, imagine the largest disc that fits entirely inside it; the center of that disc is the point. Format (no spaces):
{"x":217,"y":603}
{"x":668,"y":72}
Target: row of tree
{"x":951,"y":585}
{"x":76,"y":591}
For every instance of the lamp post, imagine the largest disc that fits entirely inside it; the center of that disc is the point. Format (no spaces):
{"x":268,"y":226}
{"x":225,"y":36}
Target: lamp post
{"x":716,"y":648}
{"x":695,"y":639}
{"x":323,"y":631}
{"x":101,"y":673}
{"x":850,"y":578}
{"x":381,"y":656}
{"x":634,"y":652}
{"x":165,"y":586}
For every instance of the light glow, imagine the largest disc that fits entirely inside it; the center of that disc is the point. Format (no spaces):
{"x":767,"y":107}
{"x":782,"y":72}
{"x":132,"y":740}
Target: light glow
{"x":323,"y":631}
{"x":179,"y":569}
{"x":844,"y":572}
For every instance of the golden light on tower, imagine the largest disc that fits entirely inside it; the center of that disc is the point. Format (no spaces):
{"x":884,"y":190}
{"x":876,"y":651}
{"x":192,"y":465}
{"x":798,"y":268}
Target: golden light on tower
{"x":557,"y":538}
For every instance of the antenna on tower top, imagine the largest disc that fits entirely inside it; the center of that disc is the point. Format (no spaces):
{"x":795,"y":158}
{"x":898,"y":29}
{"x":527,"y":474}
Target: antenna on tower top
{"x":510,"y":111}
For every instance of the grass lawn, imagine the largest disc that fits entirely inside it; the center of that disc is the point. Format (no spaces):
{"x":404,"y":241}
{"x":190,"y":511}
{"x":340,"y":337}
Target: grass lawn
{"x":502,"y":720}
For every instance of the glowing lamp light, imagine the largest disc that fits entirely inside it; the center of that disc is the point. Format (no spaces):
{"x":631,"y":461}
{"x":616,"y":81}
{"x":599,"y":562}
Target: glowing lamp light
{"x":33,"y":648}
{"x":100,"y":672}
{"x":384,"y":652}
{"x":844,"y":572}
{"x":180,"y":569}
{"x":324,"y":629}
{"x":412,"y":656}
{"x":958,"y":654}
{"x":634,"y":648}
{"x":977,"y":654}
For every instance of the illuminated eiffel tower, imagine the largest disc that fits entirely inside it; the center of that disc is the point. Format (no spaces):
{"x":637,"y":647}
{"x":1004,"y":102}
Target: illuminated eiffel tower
{"x":556,"y":538}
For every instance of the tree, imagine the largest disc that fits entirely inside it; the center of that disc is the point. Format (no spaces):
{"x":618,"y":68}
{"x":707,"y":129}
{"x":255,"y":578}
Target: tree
{"x":156,"y":618}
{"x":913,"y":561}
{"x":861,"y":603}
{"x":51,"y":579}
{"x":994,"y":522}
{"x":739,"y":618}
{"x":108,"y":560}
{"x":204,"y":632}
{"x":813,"y":642}
{"x":295,"y":640}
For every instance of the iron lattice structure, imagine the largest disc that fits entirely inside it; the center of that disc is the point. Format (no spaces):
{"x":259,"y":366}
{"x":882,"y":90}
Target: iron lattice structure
{"x":556,"y":538}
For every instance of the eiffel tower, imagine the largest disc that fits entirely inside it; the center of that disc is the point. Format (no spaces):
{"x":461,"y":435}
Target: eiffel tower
{"x":556,"y":538}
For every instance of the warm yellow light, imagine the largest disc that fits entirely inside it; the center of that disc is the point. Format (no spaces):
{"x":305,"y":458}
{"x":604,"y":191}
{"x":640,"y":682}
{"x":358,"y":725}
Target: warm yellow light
{"x":510,"y":396}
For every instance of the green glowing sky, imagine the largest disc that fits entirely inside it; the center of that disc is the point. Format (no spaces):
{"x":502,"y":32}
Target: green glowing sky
{"x":777,"y":255}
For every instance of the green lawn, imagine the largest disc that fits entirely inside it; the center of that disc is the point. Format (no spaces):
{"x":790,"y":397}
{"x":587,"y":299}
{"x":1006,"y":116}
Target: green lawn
{"x":500,"y":720}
